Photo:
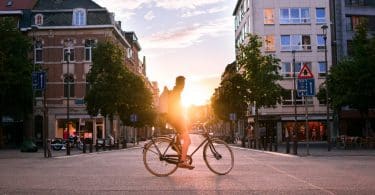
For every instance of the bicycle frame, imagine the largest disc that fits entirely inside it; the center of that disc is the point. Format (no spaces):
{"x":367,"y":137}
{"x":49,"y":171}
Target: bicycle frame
{"x":163,"y":155}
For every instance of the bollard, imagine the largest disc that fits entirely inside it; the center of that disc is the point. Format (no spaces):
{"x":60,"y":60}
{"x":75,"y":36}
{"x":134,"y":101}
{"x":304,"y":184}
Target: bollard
{"x":287,"y":146}
{"x":90,"y":146}
{"x":84,"y":147}
{"x":117,"y":144}
{"x":96,"y":146}
{"x":125,"y":144}
{"x":68,"y":147}
{"x":270,"y":143}
{"x":275,"y":144}
{"x":49,"y":154}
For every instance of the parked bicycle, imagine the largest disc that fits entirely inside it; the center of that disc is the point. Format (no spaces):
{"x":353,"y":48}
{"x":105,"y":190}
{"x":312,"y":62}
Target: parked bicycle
{"x":162,"y":154}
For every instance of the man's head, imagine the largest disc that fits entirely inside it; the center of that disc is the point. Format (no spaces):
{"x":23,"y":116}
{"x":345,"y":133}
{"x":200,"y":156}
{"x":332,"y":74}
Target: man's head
{"x":180,"y":82}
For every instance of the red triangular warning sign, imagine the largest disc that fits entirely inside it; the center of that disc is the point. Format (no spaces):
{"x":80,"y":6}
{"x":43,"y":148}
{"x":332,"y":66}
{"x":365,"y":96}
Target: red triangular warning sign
{"x":305,"y":73}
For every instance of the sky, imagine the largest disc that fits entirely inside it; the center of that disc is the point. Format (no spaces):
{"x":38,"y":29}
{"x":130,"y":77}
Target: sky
{"x":193,"y":38}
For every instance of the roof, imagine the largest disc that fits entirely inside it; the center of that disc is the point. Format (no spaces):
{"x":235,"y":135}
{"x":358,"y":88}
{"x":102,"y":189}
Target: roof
{"x":65,"y":4}
{"x":236,"y":7}
{"x":8,"y":5}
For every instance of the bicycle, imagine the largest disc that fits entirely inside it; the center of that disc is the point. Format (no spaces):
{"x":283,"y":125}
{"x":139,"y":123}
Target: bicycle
{"x":161,"y":155}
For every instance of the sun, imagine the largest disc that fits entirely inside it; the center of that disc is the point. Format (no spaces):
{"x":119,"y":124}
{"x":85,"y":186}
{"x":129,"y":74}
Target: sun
{"x":194,"y":95}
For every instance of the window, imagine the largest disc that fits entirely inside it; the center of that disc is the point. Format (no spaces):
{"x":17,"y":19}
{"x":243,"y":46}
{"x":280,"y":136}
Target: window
{"x":268,"y":16}
{"x":320,"y":42}
{"x":322,"y":69}
{"x":294,"y":16}
{"x":89,"y":44}
{"x":71,"y":50}
{"x":295,"y":42}
{"x":353,"y":21}
{"x":320,"y":15}
{"x":69,"y":88}
{"x":79,"y":17}
{"x":38,"y":19}
{"x":287,"y":68}
{"x":129,"y":52}
{"x":38,"y":52}
{"x":359,"y":2}
{"x":269,"y":43}
{"x":289,"y":98}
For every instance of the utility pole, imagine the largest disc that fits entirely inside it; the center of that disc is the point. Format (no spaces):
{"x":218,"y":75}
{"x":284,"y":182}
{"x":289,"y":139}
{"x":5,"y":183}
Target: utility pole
{"x":328,"y":129}
{"x":294,"y":134}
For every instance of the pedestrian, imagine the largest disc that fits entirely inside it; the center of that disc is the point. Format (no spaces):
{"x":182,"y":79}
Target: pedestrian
{"x":177,"y":120}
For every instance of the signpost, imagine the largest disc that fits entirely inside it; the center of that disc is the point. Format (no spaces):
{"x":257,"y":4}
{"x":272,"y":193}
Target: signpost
{"x":134,"y":119}
{"x":39,"y":80}
{"x":306,"y":88}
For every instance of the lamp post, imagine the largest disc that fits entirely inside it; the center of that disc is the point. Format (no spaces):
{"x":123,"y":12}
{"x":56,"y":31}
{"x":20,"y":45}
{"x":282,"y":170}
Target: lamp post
{"x":294,"y":135}
{"x":325,"y":29}
{"x":67,"y":55}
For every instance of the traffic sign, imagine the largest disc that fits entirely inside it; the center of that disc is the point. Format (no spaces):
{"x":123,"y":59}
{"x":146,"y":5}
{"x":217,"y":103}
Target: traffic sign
{"x":133,"y":118}
{"x":39,"y":80}
{"x":305,"y":73}
{"x":306,"y":87}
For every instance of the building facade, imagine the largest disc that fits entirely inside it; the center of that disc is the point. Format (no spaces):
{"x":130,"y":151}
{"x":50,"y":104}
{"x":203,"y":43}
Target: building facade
{"x":292,"y":31}
{"x":64,"y":34}
{"x":347,"y":14}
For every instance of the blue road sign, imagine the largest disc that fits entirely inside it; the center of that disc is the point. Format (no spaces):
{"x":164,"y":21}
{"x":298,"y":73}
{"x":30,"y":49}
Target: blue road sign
{"x":306,"y":87}
{"x":39,"y":80}
{"x":133,"y":118}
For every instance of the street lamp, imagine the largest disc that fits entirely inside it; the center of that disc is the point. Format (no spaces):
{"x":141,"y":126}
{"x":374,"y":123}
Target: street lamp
{"x":294,"y":135}
{"x":325,"y":29}
{"x":67,"y":55}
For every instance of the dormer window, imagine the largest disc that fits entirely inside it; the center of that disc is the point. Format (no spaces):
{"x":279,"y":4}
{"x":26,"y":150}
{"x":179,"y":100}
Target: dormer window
{"x":39,"y":19}
{"x":79,"y":17}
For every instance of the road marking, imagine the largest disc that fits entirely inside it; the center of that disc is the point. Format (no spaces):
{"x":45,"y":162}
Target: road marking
{"x":267,"y":152}
{"x":294,"y":177}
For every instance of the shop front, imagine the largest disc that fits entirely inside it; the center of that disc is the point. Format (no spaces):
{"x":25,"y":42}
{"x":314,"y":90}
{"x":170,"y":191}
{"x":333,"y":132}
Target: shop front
{"x":316,"y":128}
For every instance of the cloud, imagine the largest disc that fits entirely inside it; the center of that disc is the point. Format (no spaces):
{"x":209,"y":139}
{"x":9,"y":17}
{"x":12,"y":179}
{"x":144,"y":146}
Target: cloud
{"x":149,"y":15}
{"x":192,"y":13}
{"x":179,"y":4}
{"x":122,"y":4}
{"x":182,"y":37}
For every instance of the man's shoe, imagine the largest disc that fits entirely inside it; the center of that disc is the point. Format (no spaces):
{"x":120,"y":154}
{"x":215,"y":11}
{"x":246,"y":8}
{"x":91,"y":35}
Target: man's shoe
{"x":185,"y":165}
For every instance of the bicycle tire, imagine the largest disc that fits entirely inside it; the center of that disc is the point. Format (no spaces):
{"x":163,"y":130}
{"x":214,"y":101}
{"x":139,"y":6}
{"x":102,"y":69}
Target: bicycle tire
{"x":154,"y":162}
{"x":218,"y":156}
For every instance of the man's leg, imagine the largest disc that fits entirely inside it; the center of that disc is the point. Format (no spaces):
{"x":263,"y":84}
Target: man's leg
{"x":185,"y":145}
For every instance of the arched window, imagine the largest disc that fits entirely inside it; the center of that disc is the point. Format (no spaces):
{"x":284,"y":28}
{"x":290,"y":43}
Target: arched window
{"x":79,"y":17}
{"x":38,"y":19}
{"x":69,"y":79}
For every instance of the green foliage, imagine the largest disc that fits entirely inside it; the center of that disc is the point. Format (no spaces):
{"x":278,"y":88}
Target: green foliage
{"x":15,"y":71}
{"x":261,"y":74}
{"x":229,"y":97}
{"x":114,"y":90}
{"x":352,"y":81}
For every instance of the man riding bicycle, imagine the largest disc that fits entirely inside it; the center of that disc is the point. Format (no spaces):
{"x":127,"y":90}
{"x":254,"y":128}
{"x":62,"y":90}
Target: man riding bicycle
{"x":176,"y":118}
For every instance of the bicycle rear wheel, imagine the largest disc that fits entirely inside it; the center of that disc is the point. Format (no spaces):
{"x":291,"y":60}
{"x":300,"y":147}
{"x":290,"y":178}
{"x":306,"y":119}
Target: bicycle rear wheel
{"x":158,"y":159}
{"x":218,"y":156}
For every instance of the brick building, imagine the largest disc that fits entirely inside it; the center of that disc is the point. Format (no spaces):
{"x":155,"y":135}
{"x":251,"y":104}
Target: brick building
{"x":74,"y":27}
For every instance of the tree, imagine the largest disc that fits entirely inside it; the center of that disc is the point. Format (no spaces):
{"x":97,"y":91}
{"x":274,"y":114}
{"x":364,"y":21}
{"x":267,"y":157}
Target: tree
{"x":229,"y":97}
{"x":261,"y":75}
{"x":107,"y":78}
{"x":139,"y":102}
{"x":352,"y":81}
{"x":15,"y":72}
{"x":114,"y":90}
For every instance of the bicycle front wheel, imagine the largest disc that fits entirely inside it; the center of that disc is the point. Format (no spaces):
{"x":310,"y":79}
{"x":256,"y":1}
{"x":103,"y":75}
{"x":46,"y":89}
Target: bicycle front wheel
{"x":218,"y":156}
{"x":159,"y":158}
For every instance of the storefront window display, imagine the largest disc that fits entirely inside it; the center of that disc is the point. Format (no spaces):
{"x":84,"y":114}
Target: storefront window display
{"x":317,"y":130}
